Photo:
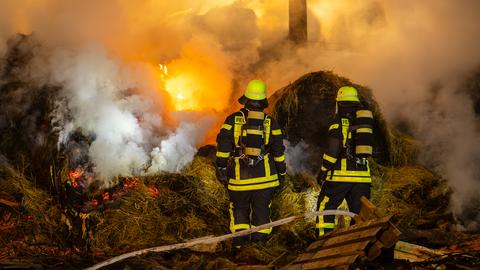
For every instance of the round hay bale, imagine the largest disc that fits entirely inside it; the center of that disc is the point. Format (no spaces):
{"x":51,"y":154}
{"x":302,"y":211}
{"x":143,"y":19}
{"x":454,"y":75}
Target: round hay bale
{"x":306,"y":107}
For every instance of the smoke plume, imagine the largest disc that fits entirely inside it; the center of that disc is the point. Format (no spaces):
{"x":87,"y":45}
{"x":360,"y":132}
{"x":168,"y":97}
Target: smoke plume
{"x":413,"y":54}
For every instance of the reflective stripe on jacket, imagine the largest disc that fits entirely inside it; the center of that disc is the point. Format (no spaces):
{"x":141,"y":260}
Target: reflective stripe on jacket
{"x":340,"y":167}
{"x":263,"y":174}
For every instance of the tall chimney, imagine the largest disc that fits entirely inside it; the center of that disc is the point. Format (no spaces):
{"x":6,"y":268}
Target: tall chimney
{"x":297,"y":32}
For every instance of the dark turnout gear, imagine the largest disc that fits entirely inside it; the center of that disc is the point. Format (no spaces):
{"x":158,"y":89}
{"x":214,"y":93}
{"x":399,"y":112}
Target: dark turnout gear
{"x":332,"y":195}
{"x":250,"y":146}
{"x":345,"y":168}
{"x":254,"y":141}
{"x":340,"y":160}
{"x":222,"y":175}
{"x":242,"y":203}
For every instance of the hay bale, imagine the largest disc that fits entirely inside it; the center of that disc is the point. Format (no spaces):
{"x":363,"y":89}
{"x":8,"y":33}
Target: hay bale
{"x":416,"y":196}
{"x":44,"y":224}
{"x":189,"y":205}
{"x":306,"y":107}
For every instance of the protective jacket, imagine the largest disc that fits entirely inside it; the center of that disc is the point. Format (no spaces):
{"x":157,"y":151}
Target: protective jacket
{"x":257,"y":166}
{"x":349,"y":144}
{"x":344,"y":162}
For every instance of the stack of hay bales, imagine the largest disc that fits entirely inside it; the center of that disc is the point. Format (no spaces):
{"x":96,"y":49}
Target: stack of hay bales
{"x":400,"y":186}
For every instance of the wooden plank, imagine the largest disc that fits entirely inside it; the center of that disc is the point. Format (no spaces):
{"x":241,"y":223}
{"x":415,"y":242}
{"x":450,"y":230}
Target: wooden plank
{"x":367,"y":212}
{"x":415,"y":253}
{"x":360,"y":253}
{"x":390,"y":237}
{"x":315,"y":245}
{"x":353,"y":237}
{"x":383,"y":222}
{"x":303,"y":258}
{"x":348,"y":249}
{"x":374,"y":251}
{"x":342,"y":261}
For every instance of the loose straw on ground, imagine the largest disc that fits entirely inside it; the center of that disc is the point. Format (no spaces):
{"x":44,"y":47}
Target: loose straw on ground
{"x":212,"y":240}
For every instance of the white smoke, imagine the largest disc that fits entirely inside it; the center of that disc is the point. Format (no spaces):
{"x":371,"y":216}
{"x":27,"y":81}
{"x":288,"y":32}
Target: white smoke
{"x":296,"y":157}
{"x":447,"y":128}
{"x":175,"y":152}
{"x":95,"y":90}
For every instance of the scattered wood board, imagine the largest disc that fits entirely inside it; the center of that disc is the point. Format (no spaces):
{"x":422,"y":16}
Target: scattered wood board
{"x":365,"y":241}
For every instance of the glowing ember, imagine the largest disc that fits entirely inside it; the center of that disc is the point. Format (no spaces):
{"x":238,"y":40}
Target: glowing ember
{"x":106,"y":196}
{"x":153,"y":191}
{"x":75,"y":174}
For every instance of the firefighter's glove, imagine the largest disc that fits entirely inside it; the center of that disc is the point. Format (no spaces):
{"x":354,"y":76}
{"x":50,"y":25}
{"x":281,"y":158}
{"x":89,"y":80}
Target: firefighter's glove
{"x":222,"y":175}
{"x":322,"y":175}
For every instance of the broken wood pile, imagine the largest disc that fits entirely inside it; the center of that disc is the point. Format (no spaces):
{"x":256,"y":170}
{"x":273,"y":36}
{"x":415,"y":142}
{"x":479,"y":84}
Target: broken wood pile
{"x":370,"y":238}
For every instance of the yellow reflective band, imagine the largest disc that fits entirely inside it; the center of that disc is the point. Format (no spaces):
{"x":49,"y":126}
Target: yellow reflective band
{"x":358,"y":179}
{"x":237,"y":169}
{"x":241,"y":227}
{"x":352,"y":173}
{"x":324,"y":169}
{"x":254,"y":132}
{"x":266,"y":126}
{"x":280,"y":158}
{"x":346,"y":134}
{"x":232,"y":218}
{"x":253,"y":151}
{"x":256,"y":115}
{"x":363,"y":149}
{"x":325,"y":226}
{"x":343,"y":167}
{"x":227,"y":126}
{"x":223,"y":154}
{"x":364,"y":113}
{"x":265,"y":231}
{"x":329,"y":158}
{"x":364,"y":130}
{"x":267,"y":166}
{"x":254,"y":187}
{"x":285,"y":173}
{"x":321,"y":207}
{"x":251,"y":181}
{"x":334,"y":126}
{"x":277,"y":132}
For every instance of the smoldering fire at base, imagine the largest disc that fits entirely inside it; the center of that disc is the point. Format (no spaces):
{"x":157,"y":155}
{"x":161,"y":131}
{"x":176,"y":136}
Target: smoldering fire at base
{"x":106,"y":132}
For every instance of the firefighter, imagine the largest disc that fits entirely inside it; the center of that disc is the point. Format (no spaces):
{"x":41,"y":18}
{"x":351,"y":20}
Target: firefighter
{"x":251,"y":162}
{"x":345,"y":173}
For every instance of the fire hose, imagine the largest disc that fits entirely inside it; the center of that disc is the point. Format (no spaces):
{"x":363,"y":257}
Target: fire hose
{"x":216,"y":239}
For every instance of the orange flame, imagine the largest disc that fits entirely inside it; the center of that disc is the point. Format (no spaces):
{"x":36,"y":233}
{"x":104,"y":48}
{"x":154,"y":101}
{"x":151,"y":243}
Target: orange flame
{"x":75,"y":174}
{"x":198,"y":80}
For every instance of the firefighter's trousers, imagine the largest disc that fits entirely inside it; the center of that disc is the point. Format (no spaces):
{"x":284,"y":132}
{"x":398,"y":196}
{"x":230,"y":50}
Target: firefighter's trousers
{"x":249,"y":209}
{"x":332,"y":195}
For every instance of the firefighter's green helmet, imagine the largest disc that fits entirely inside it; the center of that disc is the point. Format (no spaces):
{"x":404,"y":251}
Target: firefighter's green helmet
{"x":256,"y":91}
{"x":347,"y":93}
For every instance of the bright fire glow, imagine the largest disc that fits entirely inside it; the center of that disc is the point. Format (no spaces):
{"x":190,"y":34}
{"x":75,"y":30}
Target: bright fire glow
{"x":198,"y":81}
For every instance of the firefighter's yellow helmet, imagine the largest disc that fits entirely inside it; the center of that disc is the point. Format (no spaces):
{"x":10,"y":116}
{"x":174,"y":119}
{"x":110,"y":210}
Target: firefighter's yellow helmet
{"x":347,"y":93}
{"x":256,"y":91}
